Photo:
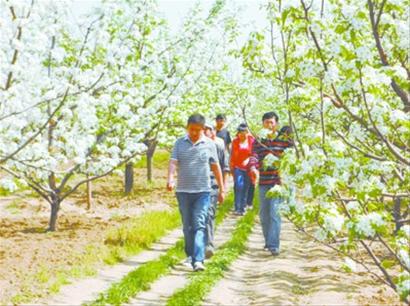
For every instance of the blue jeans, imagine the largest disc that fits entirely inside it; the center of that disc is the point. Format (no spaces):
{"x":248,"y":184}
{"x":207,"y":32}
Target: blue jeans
{"x":270,"y":218}
{"x":194,"y":214}
{"x":210,"y":225}
{"x":241,"y":186}
{"x":251,"y":193}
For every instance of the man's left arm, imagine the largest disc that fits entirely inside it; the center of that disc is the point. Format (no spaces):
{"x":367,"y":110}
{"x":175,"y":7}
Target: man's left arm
{"x":216,"y":169}
{"x":225,"y":168}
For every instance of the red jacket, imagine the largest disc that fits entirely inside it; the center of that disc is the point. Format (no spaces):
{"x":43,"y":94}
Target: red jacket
{"x":240,"y":154}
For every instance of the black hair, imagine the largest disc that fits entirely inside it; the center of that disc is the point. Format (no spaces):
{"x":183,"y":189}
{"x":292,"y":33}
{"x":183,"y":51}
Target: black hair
{"x":220,"y":117}
{"x":270,"y":115}
{"x":196,"y":119}
{"x":286,"y":130}
{"x":242,"y":127}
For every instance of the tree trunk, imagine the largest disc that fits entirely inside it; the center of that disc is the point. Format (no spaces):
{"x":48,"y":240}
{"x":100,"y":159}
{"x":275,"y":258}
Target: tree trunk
{"x":129,"y":177}
{"x":89,"y":195}
{"x":149,"y":167}
{"x":397,"y":213}
{"x":152,"y":145}
{"x":55,"y":207}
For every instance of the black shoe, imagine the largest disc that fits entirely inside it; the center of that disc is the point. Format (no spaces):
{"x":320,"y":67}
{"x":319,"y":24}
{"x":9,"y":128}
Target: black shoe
{"x":209,"y":253}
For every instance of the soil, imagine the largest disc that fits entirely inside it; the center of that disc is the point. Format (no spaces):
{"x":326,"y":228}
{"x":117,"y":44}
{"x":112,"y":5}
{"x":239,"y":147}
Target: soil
{"x":26,"y":250}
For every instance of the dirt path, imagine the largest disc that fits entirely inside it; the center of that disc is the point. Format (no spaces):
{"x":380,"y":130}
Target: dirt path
{"x":88,"y":289}
{"x":305,"y":273}
{"x":163,"y":288}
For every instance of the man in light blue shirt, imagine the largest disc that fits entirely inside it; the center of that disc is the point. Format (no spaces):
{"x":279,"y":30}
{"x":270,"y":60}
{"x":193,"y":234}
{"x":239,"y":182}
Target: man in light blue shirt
{"x":195,"y":156}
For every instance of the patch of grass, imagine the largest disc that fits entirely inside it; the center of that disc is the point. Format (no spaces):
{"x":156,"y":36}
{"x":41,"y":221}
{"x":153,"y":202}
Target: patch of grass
{"x":201,"y":283}
{"x":43,"y":275}
{"x":160,"y":160}
{"x":21,"y":298}
{"x":141,"y":278}
{"x":61,"y":279}
{"x":141,"y":232}
{"x":113,"y":256}
{"x":128,"y":239}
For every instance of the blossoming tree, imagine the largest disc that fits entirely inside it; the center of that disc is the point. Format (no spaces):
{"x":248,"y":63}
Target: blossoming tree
{"x":343,"y":78}
{"x":106,"y":86}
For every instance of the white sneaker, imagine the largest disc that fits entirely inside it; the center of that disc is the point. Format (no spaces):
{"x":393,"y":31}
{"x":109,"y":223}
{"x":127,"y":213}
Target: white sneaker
{"x":188,"y":261}
{"x":199,"y":266}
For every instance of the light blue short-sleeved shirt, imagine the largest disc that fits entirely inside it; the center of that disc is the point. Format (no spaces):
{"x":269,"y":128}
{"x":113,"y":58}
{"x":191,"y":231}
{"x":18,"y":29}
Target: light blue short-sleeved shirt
{"x":194,"y":164}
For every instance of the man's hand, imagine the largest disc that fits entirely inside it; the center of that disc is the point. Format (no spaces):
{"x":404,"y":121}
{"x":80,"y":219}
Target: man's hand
{"x":170,"y":185}
{"x":221,"y":197}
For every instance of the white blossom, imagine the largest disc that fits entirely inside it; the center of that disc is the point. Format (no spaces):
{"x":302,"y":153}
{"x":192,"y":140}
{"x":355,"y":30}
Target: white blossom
{"x":398,"y":115}
{"x":367,"y":223}
{"x":8,"y":184}
{"x":405,"y":258}
{"x":320,"y":234}
{"x":333,"y":222}
{"x":277,"y":191}
{"x":405,"y":229}
{"x":353,"y":206}
{"x":264,"y":133}
{"x":270,"y":160}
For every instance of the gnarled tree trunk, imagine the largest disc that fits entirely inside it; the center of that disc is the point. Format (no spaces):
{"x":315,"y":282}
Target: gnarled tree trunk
{"x":152,"y":145}
{"x":55,"y":207}
{"x":129,"y":177}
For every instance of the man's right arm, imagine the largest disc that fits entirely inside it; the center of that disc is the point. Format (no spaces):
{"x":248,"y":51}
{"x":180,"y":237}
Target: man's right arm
{"x":228,"y":140}
{"x":172,"y":168}
{"x":225,"y":166}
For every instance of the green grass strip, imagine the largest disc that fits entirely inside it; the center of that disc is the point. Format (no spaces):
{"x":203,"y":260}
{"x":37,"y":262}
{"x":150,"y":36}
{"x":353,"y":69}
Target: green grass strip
{"x":201,"y":283}
{"x":138,"y":234}
{"x":142,"y":277}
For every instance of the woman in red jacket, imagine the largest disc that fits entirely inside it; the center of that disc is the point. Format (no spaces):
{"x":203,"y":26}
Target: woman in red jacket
{"x":240,"y":154}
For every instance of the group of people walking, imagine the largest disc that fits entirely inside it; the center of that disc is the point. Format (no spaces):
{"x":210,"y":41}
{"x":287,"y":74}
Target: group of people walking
{"x":204,"y":159}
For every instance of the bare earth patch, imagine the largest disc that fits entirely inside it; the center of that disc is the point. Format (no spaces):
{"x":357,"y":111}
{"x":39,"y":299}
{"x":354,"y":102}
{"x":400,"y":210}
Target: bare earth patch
{"x":31,"y":258}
